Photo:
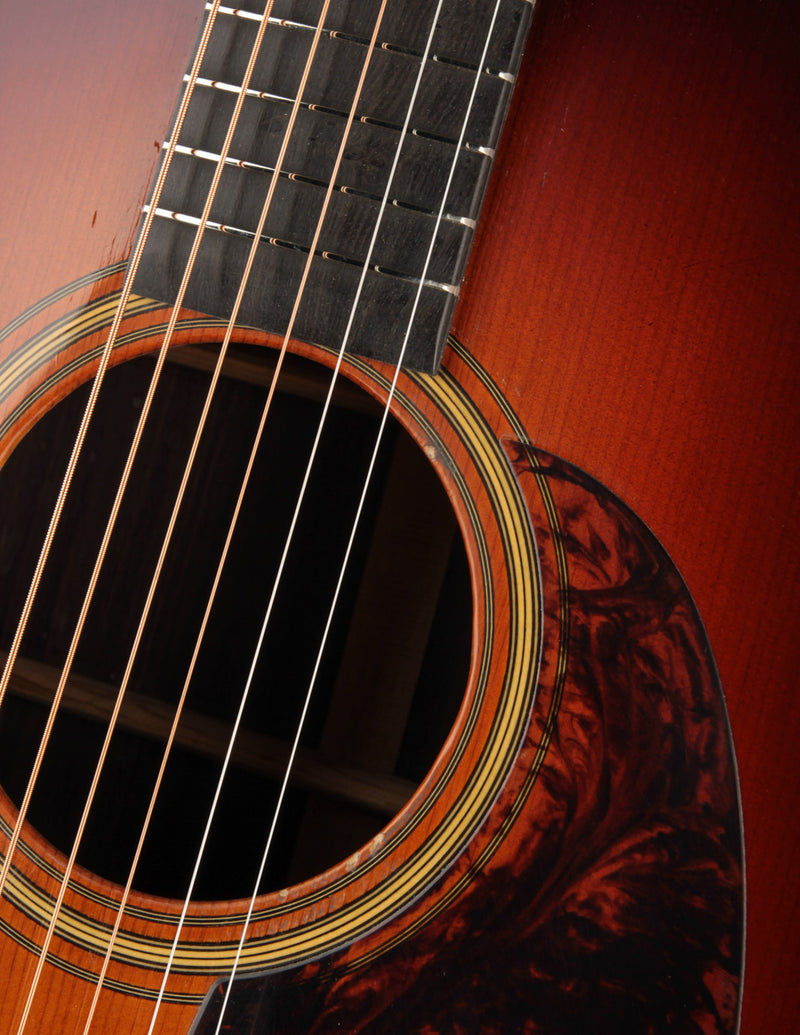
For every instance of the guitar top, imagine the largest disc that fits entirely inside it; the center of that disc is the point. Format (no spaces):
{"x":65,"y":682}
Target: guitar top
{"x":629,"y":307}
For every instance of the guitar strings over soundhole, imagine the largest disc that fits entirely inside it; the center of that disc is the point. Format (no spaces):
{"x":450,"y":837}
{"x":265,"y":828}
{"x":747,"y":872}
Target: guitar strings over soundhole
{"x":392,"y":675}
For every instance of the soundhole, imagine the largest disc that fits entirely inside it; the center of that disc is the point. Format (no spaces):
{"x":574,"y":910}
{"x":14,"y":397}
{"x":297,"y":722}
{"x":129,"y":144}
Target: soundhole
{"x":391,"y":675}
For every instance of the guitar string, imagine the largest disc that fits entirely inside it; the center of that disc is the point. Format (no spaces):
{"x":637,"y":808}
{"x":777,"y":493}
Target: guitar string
{"x":128,"y":466}
{"x":359,"y":511}
{"x":244,"y":484}
{"x":119,"y":699}
{"x":282,"y":353}
{"x":145,"y":409}
{"x":347,"y":554}
{"x":298,"y":505}
{"x":212,"y":595}
{"x":133,"y":266}
{"x":127,"y":287}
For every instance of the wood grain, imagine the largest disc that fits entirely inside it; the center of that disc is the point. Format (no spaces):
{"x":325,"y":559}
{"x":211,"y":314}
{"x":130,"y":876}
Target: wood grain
{"x":646,"y":209}
{"x":633,"y":290}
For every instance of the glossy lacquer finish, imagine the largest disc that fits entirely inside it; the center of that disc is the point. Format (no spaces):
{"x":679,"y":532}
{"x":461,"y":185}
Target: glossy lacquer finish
{"x":631,"y":295}
{"x":607,"y":882}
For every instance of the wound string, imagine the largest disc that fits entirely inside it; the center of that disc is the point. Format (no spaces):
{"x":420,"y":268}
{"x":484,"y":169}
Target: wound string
{"x":130,"y":275}
{"x":359,"y":510}
{"x":232,"y":525}
{"x":112,"y":519}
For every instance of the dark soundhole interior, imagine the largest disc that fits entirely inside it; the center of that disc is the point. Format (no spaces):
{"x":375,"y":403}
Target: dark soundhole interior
{"x":392,"y":674}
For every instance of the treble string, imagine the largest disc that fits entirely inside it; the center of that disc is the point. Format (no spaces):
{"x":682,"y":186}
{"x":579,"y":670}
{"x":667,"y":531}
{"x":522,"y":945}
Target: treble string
{"x":439,"y":218}
{"x":108,"y":348}
{"x":101,"y":554}
{"x":362,"y":499}
{"x":234,"y":519}
{"x":256,"y":442}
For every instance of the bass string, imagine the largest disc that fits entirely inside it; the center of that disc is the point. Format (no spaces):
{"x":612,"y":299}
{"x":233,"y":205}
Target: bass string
{"x":123,"y":483}
{"x":119,"y":313}
{"x":132,"y":455}
{"x":230,"y":533}
{"x":355,"y":524}
{"x":228,"y":338}
{"x":237,"y":508}
{"x":133,"y":266}
{"x":361,"y":503}
{"x":301,"y":494}
{"x":229,"y":332}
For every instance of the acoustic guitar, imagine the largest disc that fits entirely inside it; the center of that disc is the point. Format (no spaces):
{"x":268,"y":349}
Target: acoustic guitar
{"x":356,"y":461}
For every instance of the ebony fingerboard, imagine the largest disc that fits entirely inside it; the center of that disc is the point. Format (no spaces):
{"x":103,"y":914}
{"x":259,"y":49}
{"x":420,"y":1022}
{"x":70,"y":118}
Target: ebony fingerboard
{"x":450,"y":136}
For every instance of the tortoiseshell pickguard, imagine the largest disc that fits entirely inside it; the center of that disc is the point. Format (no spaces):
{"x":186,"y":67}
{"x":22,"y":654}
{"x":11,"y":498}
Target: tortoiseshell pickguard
{"x":614,"y":900}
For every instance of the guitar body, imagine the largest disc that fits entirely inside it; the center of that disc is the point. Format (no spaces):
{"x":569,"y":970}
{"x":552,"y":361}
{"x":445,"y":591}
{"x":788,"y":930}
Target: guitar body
{"x":629,"y":307}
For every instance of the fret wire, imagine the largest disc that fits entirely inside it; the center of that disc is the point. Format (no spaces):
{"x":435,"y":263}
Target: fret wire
{"x":353,"y":38}
{"x":242,"y":163}
{"x":130,"y":274}
{"x":367,"y":120}
{"x":277,"y":242}
{"x":364,"y":41}
{"x":434,"y":133}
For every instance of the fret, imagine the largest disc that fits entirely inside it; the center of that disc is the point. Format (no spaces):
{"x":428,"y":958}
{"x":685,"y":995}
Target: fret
{"x":272,"y":241}
{"x":422,"y":171}
{"x":266,"y":95}
{"x":407,"y":226}
{"x":295,"y":211}
{"x":385,"y":307}
{"x":210,"y":156}
{"x":337,"y":65}
{"x":459,"y":34}
{"x":388,"y":88}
